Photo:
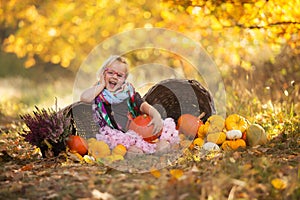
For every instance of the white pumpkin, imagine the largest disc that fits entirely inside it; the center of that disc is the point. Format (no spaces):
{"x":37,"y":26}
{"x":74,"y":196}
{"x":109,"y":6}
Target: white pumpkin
{"x":210,"y":146}
{"x":234,"y":134}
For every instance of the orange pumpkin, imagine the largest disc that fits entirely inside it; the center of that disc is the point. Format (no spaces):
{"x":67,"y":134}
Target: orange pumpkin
{"x":202,"y":130}
{"x":188,"y":124}
{"x":140,"y":126}
{"x":77,"y":144}
{"x":233,"y":144}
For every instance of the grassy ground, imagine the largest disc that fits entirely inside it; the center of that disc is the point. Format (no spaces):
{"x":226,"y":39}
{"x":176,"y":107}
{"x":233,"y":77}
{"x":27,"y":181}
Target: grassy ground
{"x":264,"y":172}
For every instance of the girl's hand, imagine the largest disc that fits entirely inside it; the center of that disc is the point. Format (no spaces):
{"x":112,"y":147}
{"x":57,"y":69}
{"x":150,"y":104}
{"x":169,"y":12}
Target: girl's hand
{"x":90,"y":93}
{"x":156,"y":121}
{"x":101,"y":80}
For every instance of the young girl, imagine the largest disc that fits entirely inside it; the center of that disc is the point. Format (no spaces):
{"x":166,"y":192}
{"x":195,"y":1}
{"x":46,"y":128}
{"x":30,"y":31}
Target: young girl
{"x":114,"y":97}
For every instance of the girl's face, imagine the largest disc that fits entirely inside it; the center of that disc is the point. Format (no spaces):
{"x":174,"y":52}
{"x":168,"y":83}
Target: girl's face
{"x":115,"y":75}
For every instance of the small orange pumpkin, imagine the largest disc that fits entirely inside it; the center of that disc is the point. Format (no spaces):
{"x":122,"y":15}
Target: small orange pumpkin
{"x":202,"y":130}
{"x":188,"y":124}
{"x":140,"y":126}
{"x":77,"y":144}
{"x":198,"y":142}
{"x":233,"y":144}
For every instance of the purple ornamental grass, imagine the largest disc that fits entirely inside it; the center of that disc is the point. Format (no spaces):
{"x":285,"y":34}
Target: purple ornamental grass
{"x":46,"y":125}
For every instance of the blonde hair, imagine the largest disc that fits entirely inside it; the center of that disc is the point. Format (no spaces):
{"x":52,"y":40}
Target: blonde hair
{"x":108,"y":62}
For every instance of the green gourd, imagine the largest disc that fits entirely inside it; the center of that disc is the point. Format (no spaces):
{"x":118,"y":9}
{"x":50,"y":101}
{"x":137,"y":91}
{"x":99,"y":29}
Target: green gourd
{"x":256,"y":135}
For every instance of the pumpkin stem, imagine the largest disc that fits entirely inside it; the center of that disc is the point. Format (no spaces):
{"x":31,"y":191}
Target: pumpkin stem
{"x":201,"y":115}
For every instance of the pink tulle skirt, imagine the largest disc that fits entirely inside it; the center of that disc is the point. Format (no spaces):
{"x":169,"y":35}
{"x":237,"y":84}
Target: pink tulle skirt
{"x":113,"y":137}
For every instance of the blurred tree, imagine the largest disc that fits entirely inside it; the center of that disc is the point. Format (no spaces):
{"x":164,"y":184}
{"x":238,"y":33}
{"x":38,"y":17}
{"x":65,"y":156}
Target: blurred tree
{"x":62,"y":32}
{"x":256,"y":44}
{"x":236,"y":31}
{"x":246,"y":38}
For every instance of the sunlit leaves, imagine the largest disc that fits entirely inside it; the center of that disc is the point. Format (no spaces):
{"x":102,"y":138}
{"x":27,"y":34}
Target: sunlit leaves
{"x":176,"y":173}
{"x":248,"y":22}
{"x":233,"y":32}
{"x":278,"y":183}
{"x":155,"y":172}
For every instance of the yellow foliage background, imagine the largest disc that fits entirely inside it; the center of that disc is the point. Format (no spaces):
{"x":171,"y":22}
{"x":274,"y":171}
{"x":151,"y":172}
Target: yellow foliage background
{"x":255,"y":44}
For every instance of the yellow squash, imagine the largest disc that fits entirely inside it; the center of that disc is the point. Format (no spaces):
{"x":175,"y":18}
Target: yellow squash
{"x":236,"y":122}
{"x":215,"y":123}
{"x":217,"y":137}
{"x":233,"y":144}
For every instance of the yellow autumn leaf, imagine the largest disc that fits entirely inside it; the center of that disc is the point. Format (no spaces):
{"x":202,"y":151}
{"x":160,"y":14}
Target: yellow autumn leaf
{"x":196,"y":158}
{"x":37,"y":151}
{"x":279,"y":184}
{"x":155,"y":172}
{"x":176,"y":173}
{"x":89,"y":159}
{"x":75,"y":156}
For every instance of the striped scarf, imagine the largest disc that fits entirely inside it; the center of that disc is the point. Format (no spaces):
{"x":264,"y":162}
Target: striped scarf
{"x":125,"y":93}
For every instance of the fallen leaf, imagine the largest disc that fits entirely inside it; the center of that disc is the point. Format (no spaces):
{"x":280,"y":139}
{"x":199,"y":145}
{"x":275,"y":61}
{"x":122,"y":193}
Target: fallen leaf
{"x":89,"y":159}
{"x":156,"y":173}
{"x":75,"y":157}
{"x":197,"y":158}
{"x":102,"y":195}
{"x":176,"y":173}
{"x":27,"y":167}
{"x":231,"y":159}
{"x":195,"y":169}
{"x":246,"y":166}
{"x":236,"y":155}
{"x":279,"y":184}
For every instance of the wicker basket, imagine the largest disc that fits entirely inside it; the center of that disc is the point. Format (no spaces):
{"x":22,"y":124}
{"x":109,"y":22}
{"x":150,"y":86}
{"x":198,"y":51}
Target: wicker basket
{"x":171,"y":97}
{"x":82,"y":122}
{"x":174,"y":97}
